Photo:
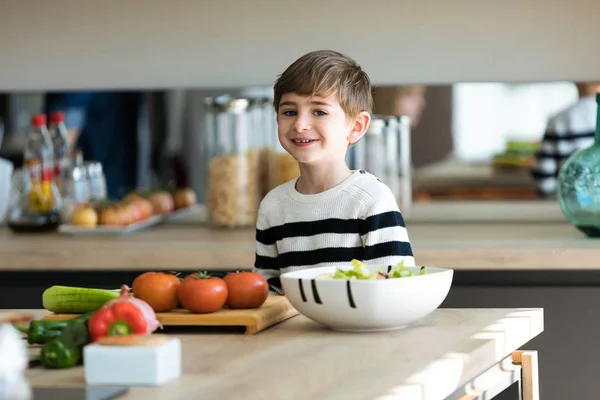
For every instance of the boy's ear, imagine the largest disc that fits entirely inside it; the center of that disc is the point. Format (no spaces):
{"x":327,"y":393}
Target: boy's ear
{"x":359,"y":127}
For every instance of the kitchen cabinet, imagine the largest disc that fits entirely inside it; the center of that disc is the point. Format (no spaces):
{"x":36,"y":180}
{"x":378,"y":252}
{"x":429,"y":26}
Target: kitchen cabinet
{"x":213,"y":43}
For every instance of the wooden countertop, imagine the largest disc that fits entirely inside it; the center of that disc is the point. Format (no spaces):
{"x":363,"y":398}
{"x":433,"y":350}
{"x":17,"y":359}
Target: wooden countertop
{"x":299,"y":359}
{"x":500,"y":246}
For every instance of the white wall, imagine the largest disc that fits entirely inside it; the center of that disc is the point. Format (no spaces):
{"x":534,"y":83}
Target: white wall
{"x":206,"y":43}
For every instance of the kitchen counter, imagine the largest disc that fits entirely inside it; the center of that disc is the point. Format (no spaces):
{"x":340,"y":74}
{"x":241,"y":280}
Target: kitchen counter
{"x":500,"y":246}
{"x":298,"y":359}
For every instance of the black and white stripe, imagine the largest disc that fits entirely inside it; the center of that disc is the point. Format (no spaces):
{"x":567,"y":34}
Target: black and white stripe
{"x":567,"y":132}
{"x":358,"y":220}
{"x":315,"y":292}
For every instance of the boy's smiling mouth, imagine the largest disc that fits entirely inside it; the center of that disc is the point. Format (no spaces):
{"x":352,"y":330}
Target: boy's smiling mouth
{"x":304,"y":142}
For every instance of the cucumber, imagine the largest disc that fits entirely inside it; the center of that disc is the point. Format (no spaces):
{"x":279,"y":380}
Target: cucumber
{"x":76,"y":300}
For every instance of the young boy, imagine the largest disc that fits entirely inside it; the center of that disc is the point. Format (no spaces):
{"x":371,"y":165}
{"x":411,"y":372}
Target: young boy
{"x":329,"y":214}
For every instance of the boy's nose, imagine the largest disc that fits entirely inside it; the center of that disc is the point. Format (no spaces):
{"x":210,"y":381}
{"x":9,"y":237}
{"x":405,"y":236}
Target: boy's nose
{"x":301,"y":124}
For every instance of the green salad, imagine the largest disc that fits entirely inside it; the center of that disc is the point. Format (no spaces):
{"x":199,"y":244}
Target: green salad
{"x":361,"y":272}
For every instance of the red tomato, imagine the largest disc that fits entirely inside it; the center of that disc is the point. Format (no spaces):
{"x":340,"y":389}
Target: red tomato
{"x":200,"y":293}
{"x":246,"y":290}
{"x":158,"y":289}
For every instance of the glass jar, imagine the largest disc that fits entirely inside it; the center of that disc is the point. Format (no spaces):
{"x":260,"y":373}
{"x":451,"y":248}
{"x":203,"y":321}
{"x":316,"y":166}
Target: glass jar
{"x":77,"y":186}
{"x":232,"y":195}
{"x":404,"y":190}
{"x":97,"y":181}
{"x":373,"y":152}
{"x":21,"y":216}
{"x":261,"y":132}
{"x":578,"y":187}
{"x":384,"y":151}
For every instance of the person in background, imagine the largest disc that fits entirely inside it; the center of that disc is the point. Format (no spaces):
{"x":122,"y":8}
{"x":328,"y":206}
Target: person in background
{"x":568,"y":131}
{"x":406,"y":100}
{"x":330,"y":214}
{"x":105,"y":126}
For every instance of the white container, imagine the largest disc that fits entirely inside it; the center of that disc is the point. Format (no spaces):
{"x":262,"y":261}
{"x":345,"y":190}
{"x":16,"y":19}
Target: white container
{"x":366,"y":305}
{"x":132,"y":365}
{"x":6,"y":172}
{"x":13,"y":363}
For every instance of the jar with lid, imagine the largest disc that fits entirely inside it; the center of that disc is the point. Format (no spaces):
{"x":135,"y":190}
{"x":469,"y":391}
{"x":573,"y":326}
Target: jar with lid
{"x":370,"y":153}
{"x":232,"y":194}
{"x":260,"y":132}
{"x":77,"y":186}
{"x":281,"y":166}
{"x":384,"y":151}
{"x":404,"y":192}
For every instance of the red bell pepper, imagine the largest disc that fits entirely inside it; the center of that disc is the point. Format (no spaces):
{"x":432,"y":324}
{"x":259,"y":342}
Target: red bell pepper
{"x":120,"y":318}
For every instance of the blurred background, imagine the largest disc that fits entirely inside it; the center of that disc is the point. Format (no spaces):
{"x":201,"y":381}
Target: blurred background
{"x":472,"y":141}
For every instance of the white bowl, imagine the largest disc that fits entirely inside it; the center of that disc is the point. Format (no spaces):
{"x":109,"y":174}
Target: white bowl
{"x":366,"y":305}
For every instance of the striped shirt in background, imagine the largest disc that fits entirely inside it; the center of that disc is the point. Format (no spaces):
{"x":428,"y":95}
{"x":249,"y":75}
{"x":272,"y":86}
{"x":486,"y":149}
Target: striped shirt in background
{"x":569,"y":131}
{"x":359,"y":219}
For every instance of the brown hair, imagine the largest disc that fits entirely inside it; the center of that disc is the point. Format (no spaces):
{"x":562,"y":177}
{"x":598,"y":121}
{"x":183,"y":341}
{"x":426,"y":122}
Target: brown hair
{"x":326,"y":73}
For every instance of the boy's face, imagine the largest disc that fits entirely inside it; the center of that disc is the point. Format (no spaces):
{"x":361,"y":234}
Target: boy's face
{"x":314,"y":129}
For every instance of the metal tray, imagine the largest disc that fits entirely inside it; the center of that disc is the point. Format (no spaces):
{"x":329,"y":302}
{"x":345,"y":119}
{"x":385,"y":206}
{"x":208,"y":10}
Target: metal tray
{"x":108,"y":229}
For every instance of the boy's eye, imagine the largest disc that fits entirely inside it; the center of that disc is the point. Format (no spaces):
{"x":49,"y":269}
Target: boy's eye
{"x":289,"y":113}
{"x":319,"y":113}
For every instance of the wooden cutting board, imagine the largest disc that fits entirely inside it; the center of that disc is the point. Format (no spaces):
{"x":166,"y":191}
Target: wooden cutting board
{"x":274,"y":310}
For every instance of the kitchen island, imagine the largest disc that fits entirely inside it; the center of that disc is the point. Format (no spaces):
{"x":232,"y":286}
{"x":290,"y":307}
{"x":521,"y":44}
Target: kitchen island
{"x":513,"y":260}
{"x":452,"y":352}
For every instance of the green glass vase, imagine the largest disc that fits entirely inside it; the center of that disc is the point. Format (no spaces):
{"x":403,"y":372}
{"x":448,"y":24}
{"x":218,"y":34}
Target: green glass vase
{"x":579,"y":186}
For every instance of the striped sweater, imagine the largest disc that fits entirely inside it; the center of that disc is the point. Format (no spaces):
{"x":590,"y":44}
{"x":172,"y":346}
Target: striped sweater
{"x":567,"y":132}
{"x":359,"y":218}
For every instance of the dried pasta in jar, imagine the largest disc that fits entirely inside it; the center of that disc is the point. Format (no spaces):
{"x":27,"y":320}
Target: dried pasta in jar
{"x":233,"y":191}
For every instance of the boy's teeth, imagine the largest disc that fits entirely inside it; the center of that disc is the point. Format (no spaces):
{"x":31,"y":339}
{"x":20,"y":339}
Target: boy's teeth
{"x":303,"y":141}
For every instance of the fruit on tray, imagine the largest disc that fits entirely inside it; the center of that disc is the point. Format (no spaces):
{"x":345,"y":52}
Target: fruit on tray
{"x":184,"y":198}
{"x":137,"y":206}
{"x":84,"y":215}
{"x":162,"y":202}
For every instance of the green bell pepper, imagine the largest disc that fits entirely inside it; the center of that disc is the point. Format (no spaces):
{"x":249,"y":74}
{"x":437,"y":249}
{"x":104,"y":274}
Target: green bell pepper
{"x":76,"y":333}
{"x":58,"y":354}
{"x":39,"y":332}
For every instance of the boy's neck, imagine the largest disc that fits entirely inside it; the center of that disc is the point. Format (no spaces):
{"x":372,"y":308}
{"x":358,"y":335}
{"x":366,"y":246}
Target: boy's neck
{"x":321,"y":177}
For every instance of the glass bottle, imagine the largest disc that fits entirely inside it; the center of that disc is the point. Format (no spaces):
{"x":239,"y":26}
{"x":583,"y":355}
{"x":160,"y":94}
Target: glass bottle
{"x":578,"y":187}
{"x":37,"y":205}
{"x":39,"y":161}
{"x":59,"y":136}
